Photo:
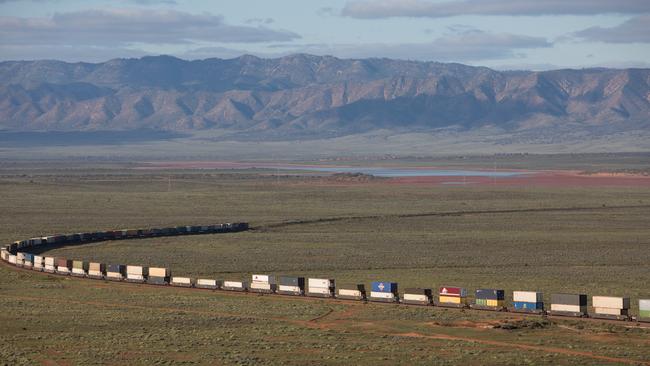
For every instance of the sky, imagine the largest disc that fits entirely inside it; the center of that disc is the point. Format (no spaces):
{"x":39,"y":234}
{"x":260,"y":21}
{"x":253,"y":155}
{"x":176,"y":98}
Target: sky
{"x":501,"y":34}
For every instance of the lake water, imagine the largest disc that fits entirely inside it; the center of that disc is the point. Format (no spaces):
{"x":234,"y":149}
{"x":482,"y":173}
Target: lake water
{"x":406,"y":172}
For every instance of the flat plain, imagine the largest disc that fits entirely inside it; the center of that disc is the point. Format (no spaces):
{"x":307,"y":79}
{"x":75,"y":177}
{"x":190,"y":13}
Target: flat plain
{"x":591,"y":240}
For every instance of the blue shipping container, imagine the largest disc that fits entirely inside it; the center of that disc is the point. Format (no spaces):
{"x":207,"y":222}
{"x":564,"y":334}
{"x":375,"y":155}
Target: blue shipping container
{"x":29,"y":257}
{"x":528,"y":305}
{"x":390,"y":287}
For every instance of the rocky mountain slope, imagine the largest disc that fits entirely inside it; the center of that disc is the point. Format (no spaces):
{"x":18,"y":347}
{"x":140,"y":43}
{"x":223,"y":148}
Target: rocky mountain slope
{"x":312,"y":96}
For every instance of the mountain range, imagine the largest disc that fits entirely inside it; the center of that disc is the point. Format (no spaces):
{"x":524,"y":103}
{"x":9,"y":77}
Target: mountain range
{"x":306,"y":96}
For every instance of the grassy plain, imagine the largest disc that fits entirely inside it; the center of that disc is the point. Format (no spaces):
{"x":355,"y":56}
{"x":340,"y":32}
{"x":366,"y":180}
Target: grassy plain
{"x":51,"y":320}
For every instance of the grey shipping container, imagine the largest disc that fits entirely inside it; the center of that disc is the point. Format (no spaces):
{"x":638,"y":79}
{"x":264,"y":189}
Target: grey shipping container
{"x":569,"y":299}
{"x":292,"y":281}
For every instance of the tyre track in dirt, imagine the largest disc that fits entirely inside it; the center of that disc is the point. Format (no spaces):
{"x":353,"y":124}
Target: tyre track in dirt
{"x":441,"y":214}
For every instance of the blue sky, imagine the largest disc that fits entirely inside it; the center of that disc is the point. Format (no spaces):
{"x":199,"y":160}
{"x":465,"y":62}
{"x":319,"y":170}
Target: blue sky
{"x":503,"y":34}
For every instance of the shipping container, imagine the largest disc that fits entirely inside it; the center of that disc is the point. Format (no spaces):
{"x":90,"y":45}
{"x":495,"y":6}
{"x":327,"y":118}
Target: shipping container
{"x":115,"y":272}
{"x":4,"y":254}
{"x":451,"y":300}
{"x":417,"y":296}
{"x":452,"y":291}
{"x":79,"y":268}
{"x":262,"y":287}
{"x":38,"y":263}
{"x":12,"y":259}
{"x":63,"y":266}
{"x":610,"y":302}
{"x":571,"y":310}
{"x":291,"y":285}
{"x":159,"y":272}
{"x":96,"y":270}
{"x":644,"y":304}
{"x":569,"y":299}
{"x":181,"y":281}
{"x":235,"y":285}
{"x":610,"y":311}
{"x":491,"y":294}
{"x":20,"y":258}
{"x":263,"y":278}
{"x":527,"y":296}
{"x":383,"y":296}
{"x":355,"y":292}
{"x":207,"y":283}
{"x":321,"y":287}
{"x":136,"y":273}
{"x":523,"y":305}
{"x":489,"y":303}
{"x":387,"y":287}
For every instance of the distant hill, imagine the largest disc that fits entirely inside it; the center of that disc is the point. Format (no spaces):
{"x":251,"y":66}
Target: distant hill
{"x":305,"y":96}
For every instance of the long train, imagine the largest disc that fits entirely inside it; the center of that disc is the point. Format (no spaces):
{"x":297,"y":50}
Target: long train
{"x":572,"y":305}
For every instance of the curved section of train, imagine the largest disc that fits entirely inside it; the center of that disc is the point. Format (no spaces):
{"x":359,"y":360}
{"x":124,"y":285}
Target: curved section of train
{"x":572,"y":305}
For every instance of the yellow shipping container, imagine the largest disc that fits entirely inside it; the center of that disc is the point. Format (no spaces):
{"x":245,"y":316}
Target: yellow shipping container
{"x":496,"y":303}
{"x":452,"y":299}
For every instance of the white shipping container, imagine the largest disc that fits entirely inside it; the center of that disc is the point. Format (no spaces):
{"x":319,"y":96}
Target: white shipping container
{"x":527,"y":296}
{"x":94,"y":273}
{"x":610,"y":302}
{"x":78,"y":271}
{"x":346,"y":292}
{"x":319,"y":290}
{"x":133,"y":276}
{"x":181,"y":280}
{"x":114,"y":275}
{"x":415,"y":297}
{"x":28,"y":264}
{"x":261,"y":286}
{"x":289,"y":288}
{"x":4,"y":255}
{"x":644,"y":304}
{"x":382,"y":295}
{"x":136,"y":270}
{"x":20,"y":257}
{"x":12,"y":259}
{"x":49,"y":268}
{"x":610,"y":311}
{"x":206,"y":282}
{"x":571,"y":308}
{"x":233,"y":284}
{"x":62,"y":269}
{"x":49,"y":261}
{"x":318,"y":282}
{"x":263,"y":278}
{"x":39,"y":259}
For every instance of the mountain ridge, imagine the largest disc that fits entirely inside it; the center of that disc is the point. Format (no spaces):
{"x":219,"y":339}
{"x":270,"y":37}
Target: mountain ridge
{"x":303,"y":95}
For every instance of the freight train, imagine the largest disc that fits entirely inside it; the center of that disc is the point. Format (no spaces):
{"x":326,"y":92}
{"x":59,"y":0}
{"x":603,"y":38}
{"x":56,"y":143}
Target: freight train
{"x":531,"y":302}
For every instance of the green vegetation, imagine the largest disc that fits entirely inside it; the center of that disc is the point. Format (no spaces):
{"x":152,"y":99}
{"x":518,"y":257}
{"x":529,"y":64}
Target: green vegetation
{"x":599,"y":251}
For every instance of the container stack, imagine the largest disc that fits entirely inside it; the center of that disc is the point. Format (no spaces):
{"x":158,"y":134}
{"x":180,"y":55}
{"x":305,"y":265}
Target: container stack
{"x":79,"y":268}
{"x":136,"y":273}
{"x":528,"y":302}
{"x":417,"y":296}
{"x":452,"y":296}
{"x":39,"y":263}
{"x":20,"y":259}
{"x":181,"y":281}
{"x":355,"y":292}
{"x":291,"y":285}
{"x":644,"y":310}
{"x":29,"y":261}
{"x":321,"y":287}
{"x":263,"y":284}
{"x":12,"y":259}
{"x":158,"y":276}
{"x":608,"y":307}
{"x":63,"y":266}
{"x":207,"y":283}
{"x":384,"y":292}
{"x":489,"y":299}
{"x":96,"y":270}
{"x":234,"y":286}
{"x":569,"y":305}
{"x":116,"y":272}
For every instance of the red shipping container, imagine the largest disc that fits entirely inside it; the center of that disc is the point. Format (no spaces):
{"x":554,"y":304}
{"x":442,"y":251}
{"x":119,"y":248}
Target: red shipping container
{"x":453,"y":291}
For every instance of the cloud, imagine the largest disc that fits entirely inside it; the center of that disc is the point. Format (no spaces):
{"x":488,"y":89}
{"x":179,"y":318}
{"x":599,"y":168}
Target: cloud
{"x":423,"y":8}
{"x":634,"y":30}
{"x":68,"y":53}
{"x":469,"y":45}
{"x":259,"y":21}
{"x":119,"y":27}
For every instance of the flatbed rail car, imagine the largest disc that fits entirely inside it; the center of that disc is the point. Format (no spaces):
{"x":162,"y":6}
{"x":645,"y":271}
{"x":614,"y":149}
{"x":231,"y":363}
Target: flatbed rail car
{"x":605,"y":307}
